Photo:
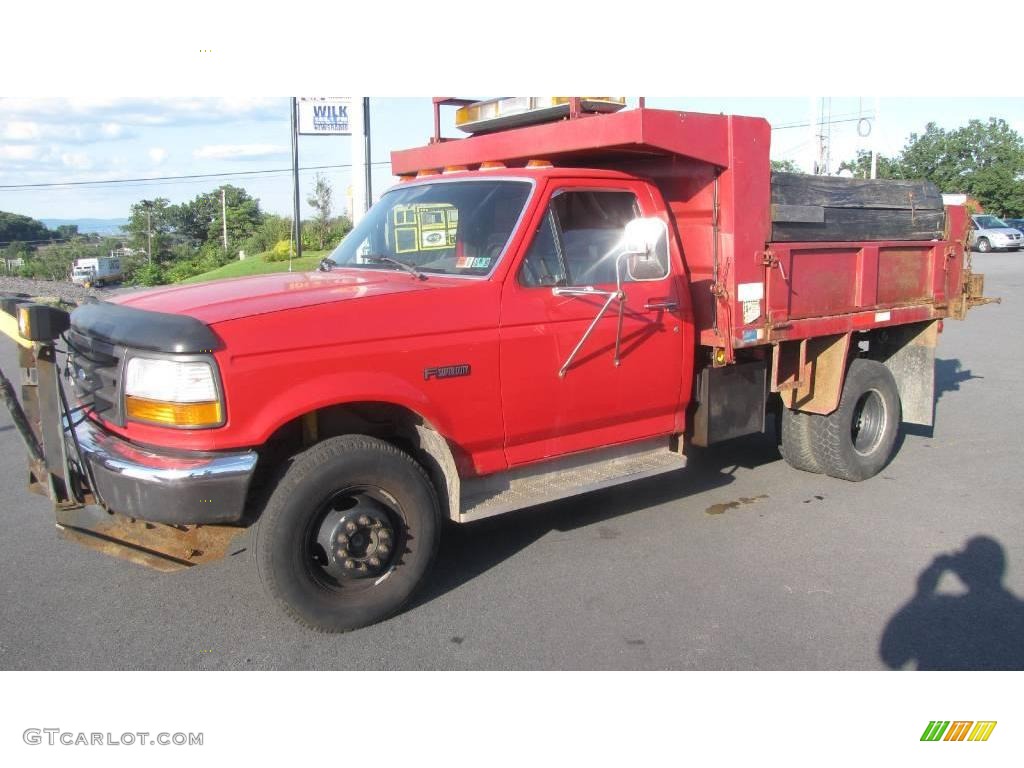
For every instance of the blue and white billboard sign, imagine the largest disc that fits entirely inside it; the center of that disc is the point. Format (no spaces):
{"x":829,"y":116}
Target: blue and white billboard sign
{"x":325,"y":115}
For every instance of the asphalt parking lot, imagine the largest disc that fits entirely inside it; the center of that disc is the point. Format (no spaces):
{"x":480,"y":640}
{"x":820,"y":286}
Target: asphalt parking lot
{"x":737,"y":562}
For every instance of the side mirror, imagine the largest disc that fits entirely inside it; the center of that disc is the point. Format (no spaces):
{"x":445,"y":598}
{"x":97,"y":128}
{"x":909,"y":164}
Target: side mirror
{"x":645,"y":248}
{"x":326,"y":265}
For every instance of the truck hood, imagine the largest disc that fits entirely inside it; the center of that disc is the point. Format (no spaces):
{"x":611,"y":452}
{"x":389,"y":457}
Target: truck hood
{"x":223,"y":300}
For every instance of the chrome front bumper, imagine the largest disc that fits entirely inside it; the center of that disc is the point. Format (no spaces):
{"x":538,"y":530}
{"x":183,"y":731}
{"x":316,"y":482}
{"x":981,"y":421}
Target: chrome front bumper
{"x":191,"y":488}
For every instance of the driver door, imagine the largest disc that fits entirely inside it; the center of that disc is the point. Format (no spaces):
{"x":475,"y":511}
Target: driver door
{"x":595,"y":402}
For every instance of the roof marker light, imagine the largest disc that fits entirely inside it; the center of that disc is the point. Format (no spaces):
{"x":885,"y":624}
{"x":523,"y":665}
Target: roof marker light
{"x":492,"y":165}
{"x":455,"y":169}
{"x":539,"y":164}
{"x":427,"y":172}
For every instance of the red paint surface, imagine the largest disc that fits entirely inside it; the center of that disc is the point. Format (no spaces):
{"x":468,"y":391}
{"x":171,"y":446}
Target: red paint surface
{"x":297,"y":342}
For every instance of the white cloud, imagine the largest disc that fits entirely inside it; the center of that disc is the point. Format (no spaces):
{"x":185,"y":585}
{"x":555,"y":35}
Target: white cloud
{"x":19,"y":152}
{"x":112,"y":130}
{"x":157,"y":155}
{"x":94,"y":112}
{"x":21,"y":131}
{"x":239,"y":151}
{"x":76,"y":160}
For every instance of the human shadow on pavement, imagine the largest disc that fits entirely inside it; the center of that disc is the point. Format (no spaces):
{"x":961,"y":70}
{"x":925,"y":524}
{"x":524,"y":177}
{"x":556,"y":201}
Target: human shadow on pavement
{"x":981,"y":629}
{"x":470,"y":549}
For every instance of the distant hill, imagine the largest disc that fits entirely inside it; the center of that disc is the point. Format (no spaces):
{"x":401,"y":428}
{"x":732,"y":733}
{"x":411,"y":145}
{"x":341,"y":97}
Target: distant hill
{"x":87,"y":226}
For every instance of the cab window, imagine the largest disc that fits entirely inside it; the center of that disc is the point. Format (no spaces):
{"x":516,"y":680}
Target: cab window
{"x":579,"y":239}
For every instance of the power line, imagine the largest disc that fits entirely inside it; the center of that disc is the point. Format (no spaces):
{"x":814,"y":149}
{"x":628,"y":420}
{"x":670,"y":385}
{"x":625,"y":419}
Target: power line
{"x":159,"y":179}
{"x":823,"y":122}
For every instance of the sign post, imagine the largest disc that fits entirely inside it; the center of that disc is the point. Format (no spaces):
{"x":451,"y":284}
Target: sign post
{"x":339,"y":116}
{"x":296,"y":210}
{"x":359,"y":158}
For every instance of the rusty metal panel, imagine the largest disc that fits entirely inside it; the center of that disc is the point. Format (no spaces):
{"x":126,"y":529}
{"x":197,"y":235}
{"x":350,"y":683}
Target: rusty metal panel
{"x":822,"y":281}
{"x":164,"y":547}
{"x":824,"y":370}
{"x":904,"y":274}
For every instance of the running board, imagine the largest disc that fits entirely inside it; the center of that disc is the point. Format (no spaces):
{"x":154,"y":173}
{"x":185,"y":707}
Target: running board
{"x":551,"y":480}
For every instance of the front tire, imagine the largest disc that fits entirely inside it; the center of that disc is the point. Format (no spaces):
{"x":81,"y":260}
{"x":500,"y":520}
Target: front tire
{"x":349,"y":534}
{"x":984,"y":246}
{"x":856,"y":440}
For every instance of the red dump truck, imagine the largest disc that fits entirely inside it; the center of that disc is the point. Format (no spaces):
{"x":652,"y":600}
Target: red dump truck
{"x":573,"y":296}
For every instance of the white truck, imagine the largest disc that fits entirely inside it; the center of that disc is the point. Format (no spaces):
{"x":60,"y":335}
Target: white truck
{"x":96,"y":271}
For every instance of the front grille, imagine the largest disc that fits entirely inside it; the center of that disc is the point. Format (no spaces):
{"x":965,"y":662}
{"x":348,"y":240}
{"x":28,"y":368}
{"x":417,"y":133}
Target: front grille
{"x":94,"y":367}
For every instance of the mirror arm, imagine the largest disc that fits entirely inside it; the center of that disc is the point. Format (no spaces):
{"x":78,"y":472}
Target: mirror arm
{"x":617,"y":295}
{"x":612,"y":296}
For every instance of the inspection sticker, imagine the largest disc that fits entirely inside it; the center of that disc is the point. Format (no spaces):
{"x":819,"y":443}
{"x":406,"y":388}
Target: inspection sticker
{"x":464,"y":262}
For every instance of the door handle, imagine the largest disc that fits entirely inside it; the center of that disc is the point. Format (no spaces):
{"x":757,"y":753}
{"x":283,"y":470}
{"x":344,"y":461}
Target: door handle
{"x":667,"y":304}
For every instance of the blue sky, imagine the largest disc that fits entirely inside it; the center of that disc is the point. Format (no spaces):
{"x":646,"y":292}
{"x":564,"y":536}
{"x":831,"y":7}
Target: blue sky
{"x":49,"y":140}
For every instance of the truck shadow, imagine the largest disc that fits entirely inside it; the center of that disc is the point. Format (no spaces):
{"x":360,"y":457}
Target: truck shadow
{"x":470,"y":549}
{"x":949,"y":375}
{"x":979,"y":629}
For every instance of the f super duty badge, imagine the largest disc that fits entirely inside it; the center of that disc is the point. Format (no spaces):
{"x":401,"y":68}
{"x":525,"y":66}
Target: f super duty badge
{"x":446,"y":371}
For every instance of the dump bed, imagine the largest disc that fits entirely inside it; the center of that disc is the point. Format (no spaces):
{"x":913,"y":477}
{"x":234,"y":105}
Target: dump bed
{"x":769,"y":259}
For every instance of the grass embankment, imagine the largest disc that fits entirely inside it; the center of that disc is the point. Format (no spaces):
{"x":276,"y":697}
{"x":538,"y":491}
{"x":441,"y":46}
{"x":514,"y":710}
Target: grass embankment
{"x":257,"y":265}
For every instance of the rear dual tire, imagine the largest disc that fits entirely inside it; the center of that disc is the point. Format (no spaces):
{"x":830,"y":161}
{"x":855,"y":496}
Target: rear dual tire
{"x":855,"y":441}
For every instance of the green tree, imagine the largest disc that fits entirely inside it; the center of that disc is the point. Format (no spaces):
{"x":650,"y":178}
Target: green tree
{"x":320,"y":201}
{"x":201,"y":220}
{"x":984,"y":159}
{"x":14,"y":226}
{"x":271,"y":231}
{"x":861,"y":166}
{"x":784,"y":166}
{"x":150,"y":217}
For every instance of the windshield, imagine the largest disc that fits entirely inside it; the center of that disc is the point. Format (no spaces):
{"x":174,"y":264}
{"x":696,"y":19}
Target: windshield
{"x":452,"y":228}
{"x":990,"y":222}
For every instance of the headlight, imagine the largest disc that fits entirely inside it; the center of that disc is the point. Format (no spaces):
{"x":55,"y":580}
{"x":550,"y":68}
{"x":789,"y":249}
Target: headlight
{"x":172,"y":392}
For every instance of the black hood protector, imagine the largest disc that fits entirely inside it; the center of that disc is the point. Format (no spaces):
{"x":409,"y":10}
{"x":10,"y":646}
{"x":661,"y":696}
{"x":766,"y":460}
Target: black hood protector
{"x":143,"y":329}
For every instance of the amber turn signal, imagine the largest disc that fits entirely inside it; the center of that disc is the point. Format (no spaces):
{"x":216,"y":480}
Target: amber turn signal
{"x":205,"y":414}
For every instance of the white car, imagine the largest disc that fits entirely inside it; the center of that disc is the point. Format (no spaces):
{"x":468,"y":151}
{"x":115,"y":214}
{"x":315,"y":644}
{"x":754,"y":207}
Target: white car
{"x":990,"y":233}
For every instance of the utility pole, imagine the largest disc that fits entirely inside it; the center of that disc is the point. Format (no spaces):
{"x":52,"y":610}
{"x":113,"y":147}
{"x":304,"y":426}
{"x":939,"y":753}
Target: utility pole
{"x":367,"y":155}
{"x":875,"y":138}
{"x":149,"y":229}
{"x":812,"y":138}
{"x":224,"y":216}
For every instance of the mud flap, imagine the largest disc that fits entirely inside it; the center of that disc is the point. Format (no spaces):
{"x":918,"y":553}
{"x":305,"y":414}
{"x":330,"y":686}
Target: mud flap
{"x":908,"y":351}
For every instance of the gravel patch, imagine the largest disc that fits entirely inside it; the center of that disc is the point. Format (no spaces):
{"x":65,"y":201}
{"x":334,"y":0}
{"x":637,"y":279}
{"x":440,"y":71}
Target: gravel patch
{"x":60,"y":289}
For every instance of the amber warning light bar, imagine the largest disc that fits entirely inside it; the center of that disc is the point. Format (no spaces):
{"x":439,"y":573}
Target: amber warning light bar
{"x":515,"y":111}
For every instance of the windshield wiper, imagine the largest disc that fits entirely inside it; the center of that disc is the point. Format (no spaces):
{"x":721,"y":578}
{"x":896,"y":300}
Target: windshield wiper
{"x":326,"y":265}
{"x":400,"y":264}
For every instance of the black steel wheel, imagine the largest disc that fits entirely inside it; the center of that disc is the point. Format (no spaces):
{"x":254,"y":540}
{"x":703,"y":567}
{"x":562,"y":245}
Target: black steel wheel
{"x":348,"y":534}
{"x":856,"y":440}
